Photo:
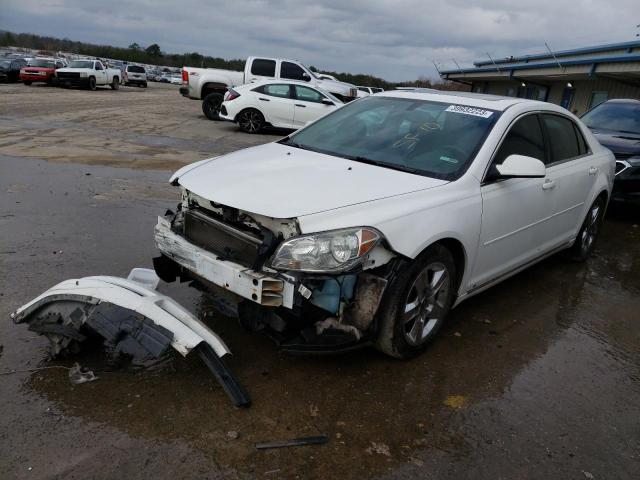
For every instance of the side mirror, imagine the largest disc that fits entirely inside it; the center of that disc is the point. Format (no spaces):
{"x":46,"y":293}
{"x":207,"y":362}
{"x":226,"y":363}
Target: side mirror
{"x":306,"y":77}
{"x":521,"y":166}
{"x":326,"y":101}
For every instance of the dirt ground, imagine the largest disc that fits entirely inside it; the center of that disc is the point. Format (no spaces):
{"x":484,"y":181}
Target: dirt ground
{"x":538,"y":378}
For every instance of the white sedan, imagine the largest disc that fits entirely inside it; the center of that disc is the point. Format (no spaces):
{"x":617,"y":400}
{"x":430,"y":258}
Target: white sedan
{"x":280,"y":104}
{"x":367,"y":226}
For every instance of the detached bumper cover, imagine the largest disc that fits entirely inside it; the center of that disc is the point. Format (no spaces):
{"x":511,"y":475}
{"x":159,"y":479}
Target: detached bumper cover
{"x":139,"y":321}
{"x":258,"y":287}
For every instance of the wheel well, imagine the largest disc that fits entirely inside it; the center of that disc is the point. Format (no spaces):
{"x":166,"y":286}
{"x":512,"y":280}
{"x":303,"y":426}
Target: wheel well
{"x":459,"y":257}
{"x":208,"y":88}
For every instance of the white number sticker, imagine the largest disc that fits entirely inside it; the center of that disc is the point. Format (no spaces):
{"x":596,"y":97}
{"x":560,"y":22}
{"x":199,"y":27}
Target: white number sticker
{"x":477,"y":112}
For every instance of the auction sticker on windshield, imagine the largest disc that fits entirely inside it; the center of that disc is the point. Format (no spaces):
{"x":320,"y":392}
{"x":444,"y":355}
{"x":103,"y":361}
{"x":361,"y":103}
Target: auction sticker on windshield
{"x":477,"y":112}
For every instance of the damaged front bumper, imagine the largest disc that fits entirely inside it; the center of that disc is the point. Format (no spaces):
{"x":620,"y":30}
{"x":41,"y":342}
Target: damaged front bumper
{"x":303,"y":312}
{"x":263,"y":289}
{"x":137,"y":320}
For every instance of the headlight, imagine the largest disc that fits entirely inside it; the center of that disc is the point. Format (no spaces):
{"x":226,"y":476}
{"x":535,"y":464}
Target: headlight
{"x":333,"y":251}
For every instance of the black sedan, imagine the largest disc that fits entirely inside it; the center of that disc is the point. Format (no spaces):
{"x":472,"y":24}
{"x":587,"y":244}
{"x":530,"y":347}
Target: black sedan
{"x":10,"y":69}
{"x":616,"y":124}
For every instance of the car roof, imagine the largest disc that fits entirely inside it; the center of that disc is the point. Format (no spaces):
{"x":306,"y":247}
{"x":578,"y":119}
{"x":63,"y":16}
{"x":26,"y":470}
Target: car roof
{"x":622,"y":100}
{"x":480,"y":100}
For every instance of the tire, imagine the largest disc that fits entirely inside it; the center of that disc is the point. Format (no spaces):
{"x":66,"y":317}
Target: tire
{"x":250,"y":120}
{"x":144,"y":85}
{"x":586,"y":239}
{"x":92,"y":83}
{"x":27,"y":82}
{"x":416,"y":303}
{"x":115,"y":83}
{"x":211,"y":106}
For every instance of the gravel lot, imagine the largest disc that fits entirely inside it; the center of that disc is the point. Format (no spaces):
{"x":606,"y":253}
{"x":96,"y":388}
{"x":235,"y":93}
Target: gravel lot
{"x":537,"y":378}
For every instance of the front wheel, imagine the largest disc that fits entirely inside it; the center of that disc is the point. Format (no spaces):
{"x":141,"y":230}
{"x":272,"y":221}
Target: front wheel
{"x":27,"y":83}
{"x":92,"y":83}
{"x":211,"y":106}
{"x":416,"y":303}
{"x":115,"y":83}
{"x":586,"y":239}
{"x":144,"y":85}
{"x":250,"y":121}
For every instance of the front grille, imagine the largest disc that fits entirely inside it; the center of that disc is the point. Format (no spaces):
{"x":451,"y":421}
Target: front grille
{"x":68,"y":75}
{"x":224,"y":240}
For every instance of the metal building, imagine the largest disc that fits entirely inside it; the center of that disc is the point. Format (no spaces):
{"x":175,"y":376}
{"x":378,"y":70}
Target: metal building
{"x":577,"y":79}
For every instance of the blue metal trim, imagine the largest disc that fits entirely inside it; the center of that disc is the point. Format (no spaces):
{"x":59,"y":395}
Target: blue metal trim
{"x":564,"y":63}
{"x":592,"y":72}
{"x":597,"y":48}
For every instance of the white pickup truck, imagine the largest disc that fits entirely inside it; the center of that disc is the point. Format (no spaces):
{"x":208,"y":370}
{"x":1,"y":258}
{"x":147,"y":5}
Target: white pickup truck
{"x":210,"y":84}
{"x":89,"y":74}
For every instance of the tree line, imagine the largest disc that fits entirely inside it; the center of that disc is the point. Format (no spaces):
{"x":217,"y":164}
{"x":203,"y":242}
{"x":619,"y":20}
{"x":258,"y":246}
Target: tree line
{"x":154,"y":55}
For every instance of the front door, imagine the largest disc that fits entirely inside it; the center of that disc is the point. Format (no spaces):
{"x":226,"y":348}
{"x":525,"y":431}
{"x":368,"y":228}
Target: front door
{"x":512,"y":209}
{"x":308,"y":106}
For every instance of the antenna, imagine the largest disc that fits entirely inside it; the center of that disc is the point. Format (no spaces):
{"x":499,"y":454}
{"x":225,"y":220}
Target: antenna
{"x":553,"y":55}
{"x":454,"y":61}
{"x":435,"y":65}
{"x":494,"y":63}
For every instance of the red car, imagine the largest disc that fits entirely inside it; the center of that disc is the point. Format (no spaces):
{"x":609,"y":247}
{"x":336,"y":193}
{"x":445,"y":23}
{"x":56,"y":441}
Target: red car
{"x":40,"y":70}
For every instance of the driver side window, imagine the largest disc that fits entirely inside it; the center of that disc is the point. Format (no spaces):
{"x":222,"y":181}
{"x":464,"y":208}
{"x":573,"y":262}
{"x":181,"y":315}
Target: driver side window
{"x":99,"y":66}
{"x":524,"y":138}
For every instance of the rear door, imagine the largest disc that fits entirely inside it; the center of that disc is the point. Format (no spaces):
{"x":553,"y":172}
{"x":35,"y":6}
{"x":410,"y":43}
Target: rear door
{"x":275,"y":102}
{"x":308,"y":105}
{"x":513,"y":211}
{"x":571,"y":175}
{"x":261,"y":69}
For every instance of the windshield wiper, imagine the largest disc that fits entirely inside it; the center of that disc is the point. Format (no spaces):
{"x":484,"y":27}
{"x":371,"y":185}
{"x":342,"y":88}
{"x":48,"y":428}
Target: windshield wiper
{"x":287,"y":141}
{"x":377,"y":163}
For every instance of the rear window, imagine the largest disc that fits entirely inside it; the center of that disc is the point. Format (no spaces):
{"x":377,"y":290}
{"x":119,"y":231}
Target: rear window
{"x":135,"y":69}
{"x":562,"y":137}
{"x":264,"y":68}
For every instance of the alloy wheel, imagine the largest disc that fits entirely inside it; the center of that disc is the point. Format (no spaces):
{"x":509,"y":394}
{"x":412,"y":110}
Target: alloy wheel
{"x":590,"y":232}
{"x":251,"y":121}
{"x":425,"y":303}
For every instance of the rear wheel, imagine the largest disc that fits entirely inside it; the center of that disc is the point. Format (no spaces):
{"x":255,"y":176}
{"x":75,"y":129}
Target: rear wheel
{"x":416,"y":303}
{"x":27,"y":83}
{"x":586,"y":239}
{"x":211,"y":106}
{"x":250,"y":121}
{"x":92,"y":83}
{"x":115,"y":83}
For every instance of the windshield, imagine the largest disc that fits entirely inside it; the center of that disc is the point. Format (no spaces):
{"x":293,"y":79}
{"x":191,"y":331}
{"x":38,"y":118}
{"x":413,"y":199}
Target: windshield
{"x":418,"y":136}
{"x":81,"y":64}
{"x":41,"y":63}
{"x":620,"y":117}
{"x":5,"y":63}
{"x":135,"y":69}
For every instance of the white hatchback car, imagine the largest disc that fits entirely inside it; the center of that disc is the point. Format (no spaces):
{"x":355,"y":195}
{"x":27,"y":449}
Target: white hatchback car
{"x":369,"y":225}
{"x":281,"y":104}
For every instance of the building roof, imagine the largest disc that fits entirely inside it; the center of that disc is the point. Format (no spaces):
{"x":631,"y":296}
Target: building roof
{"x":610,"y":53}
{"x":564,"y":53}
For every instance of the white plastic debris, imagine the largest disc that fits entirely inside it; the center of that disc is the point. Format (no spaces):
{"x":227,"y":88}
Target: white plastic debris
{"x":78,"y":375}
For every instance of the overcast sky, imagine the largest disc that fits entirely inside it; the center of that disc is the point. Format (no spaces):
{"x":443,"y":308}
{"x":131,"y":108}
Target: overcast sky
{"x":396,"y":40}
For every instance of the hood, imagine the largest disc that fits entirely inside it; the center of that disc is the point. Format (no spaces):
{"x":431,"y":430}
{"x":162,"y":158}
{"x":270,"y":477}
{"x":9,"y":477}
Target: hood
{"x":619,"y":142}
{"x":279,"y":181}
{"x":72,"y":70}
{"x":335,"y":86}
{"x":39,"y":69}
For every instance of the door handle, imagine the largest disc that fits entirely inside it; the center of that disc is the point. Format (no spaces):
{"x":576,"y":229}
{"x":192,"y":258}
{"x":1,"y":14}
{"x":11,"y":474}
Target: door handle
{"x":264,"y":99}
{"x":593,"y":170}
{"x":548,"y":184}
{"x":301,"y":106}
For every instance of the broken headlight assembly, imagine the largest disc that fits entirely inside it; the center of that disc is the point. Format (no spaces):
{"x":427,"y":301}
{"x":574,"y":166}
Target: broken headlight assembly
{"x":332,"y":251}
